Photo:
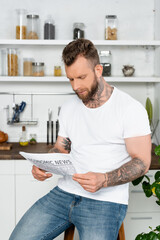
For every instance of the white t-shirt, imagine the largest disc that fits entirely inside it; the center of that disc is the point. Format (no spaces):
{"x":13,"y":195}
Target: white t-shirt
{"x":97,"y":140}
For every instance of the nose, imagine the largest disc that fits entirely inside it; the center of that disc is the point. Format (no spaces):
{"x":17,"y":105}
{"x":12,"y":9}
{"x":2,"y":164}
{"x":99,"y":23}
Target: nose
{"x":75,"y":84}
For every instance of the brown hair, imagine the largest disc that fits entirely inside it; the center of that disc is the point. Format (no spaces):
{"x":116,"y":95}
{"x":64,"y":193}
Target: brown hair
{"x":80,"y":47}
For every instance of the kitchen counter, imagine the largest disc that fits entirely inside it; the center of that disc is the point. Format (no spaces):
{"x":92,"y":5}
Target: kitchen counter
{"x":44,"y":148}
{"x":16,"y":148}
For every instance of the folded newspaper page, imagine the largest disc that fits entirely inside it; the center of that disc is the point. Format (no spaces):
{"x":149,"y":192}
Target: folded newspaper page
{"x":57,"y":163}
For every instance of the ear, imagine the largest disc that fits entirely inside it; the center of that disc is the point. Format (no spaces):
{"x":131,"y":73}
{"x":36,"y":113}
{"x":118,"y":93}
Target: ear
{"x":98,"y":70}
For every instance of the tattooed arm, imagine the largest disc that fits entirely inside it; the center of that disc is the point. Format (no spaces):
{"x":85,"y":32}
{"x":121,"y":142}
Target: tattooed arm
{"x":62,"y":145}
{"x":139,"y":148}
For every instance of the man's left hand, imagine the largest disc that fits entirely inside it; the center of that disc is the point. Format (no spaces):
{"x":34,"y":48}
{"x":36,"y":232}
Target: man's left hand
{"x":90,"y":181}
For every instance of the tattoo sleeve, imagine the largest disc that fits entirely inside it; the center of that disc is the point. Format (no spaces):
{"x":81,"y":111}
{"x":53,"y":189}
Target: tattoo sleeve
{"x":126,"y":173}
{"x":65,"y":144}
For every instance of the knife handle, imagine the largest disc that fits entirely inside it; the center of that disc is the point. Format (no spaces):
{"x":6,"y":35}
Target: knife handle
{"x":52,"y":132}
{"x":47,"y":132}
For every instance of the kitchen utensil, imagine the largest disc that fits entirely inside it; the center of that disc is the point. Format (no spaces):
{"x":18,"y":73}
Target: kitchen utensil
{"x":17,"y":110}
{"x":49,"y":127}
{"x":5,"y":146}
{"x":57,"y":123}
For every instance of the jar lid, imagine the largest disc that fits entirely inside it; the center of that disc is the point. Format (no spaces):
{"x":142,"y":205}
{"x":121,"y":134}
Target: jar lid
{"x":111,"y":16}
{"x":37,"y":64}
{"x":104,"y":53}
{"x":31,"y":16}
{"x":28,"y":59}
{"x":21,"y":11}
{"x":80,"y":25}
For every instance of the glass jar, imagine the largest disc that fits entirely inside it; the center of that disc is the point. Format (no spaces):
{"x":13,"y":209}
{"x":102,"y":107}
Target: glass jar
{"x":111,"y":27}
{"x":32,"y":26}
{"x":4,"y":62}
{"x":27,"y":66}
{"x":21,"y":25}
{"x":12,"y":61}
{"x":37,"y":69}
{"x":33,"y":138}
{"x":57,"y":71}
{"x":49,"y":28}
{"x":78,"y":30}
{"x":105,"y":60}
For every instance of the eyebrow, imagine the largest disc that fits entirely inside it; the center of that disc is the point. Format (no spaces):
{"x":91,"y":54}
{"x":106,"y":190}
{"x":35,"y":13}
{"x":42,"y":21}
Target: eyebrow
{"x":83,"y":75}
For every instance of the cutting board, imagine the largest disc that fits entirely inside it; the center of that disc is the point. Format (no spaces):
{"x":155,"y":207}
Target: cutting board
{"x":5,"y":146}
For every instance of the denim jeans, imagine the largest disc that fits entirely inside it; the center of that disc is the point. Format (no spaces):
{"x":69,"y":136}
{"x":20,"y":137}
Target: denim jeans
{"x":58,"y":210}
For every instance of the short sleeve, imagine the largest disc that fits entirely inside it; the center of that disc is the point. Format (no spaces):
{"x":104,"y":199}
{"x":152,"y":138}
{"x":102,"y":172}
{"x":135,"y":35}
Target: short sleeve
{"x":62,"y":124}
{"x":135,"y":121}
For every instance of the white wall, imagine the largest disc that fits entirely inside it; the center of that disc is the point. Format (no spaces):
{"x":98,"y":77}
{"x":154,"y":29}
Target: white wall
{"x":136,"y":21}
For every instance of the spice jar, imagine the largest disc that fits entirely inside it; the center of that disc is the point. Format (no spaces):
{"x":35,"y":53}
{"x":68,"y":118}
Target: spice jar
{"x":27,"y":66}
{"x":49,"y":28}
{"x":32,"y":26}
{"x":21,"y":28}
{"x":38,"y":69}
{"x":12,"y":61}
{"x":33,"y":138}
{"x":57,"y":71}
{"x":105,"y":60}
{"x":111,"y":27}
{"x":78,"y":30}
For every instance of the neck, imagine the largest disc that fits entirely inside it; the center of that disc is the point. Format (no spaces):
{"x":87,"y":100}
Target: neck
{"x":101,"y":96}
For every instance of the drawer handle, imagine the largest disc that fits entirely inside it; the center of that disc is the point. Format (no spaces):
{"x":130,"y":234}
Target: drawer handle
{"x":137,"y":191}
{"x":140,"y":218}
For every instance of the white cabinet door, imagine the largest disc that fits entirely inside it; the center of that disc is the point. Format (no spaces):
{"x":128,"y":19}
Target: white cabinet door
{"x":7,"y":199}
{"x":29,"y":190}
{"x":136,"y":223}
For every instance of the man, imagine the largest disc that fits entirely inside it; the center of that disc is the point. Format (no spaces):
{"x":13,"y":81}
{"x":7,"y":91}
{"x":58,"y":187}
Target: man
{"x":107,"y":135}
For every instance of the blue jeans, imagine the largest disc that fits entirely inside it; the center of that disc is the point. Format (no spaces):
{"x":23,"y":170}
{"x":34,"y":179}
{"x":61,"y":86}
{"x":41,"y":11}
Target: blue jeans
{"x":58,"y":210}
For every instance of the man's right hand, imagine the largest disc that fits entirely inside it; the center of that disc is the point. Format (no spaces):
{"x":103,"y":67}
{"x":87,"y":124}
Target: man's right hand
{"x":40,"y":174}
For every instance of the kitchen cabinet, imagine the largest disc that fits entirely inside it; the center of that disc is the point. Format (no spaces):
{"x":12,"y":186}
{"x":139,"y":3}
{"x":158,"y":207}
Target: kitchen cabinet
{"x":29,"y":190}
{"x":142,"y":211}
{"x":7,"y":198}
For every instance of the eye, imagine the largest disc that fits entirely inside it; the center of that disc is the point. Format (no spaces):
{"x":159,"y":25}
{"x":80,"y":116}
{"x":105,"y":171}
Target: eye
{"x":71,"y":79}
{"x":82,"y":77}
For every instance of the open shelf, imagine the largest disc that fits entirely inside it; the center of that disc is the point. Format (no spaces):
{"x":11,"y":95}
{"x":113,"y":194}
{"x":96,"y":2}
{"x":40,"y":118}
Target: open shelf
{"x":64,"y":79}
{"x":42,"y":42}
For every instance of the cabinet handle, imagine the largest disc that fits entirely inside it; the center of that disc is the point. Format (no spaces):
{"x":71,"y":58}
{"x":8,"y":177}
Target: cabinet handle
{"x":140,"y":218}
{"x":137,"y":191}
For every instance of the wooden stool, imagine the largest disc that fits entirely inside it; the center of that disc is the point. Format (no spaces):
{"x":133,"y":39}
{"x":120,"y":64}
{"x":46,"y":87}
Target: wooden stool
{"x":69,"y":233}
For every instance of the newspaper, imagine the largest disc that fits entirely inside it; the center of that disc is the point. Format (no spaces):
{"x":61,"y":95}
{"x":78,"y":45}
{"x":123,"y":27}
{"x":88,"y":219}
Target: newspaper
{"x":57,"y":163}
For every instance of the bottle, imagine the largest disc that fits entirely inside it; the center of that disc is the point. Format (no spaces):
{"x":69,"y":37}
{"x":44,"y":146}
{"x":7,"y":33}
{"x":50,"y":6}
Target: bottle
{"x":23,"y":139}
{"x":49,"y":28}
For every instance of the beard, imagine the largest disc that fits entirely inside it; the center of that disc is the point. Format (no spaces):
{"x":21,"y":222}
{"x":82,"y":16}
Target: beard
{"x":89,"y":93}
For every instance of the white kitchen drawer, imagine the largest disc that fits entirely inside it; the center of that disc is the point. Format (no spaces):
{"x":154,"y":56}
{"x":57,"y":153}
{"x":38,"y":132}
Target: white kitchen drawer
{"x":23,"y":167}
{"x":136,"y":223}
{"x":6,"y":167}
{"x":138,"y":202}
